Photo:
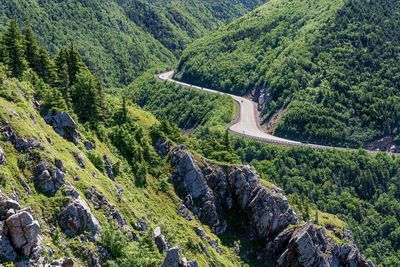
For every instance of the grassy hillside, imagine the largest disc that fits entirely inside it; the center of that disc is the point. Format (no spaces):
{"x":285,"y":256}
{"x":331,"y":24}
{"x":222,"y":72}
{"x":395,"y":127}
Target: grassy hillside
{"x":121,"y":39}
{"x":326,"y":67}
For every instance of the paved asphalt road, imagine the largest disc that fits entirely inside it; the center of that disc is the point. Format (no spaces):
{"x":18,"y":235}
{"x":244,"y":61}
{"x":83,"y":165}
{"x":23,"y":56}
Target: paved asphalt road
{"x":247,"y":123}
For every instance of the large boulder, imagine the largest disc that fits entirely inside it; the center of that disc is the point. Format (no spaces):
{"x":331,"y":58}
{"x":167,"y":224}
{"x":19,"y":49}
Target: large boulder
{"x":64,"y":125}
{"x":76,"y":218}
{"x":23,"y":231}
{"x":3,"y":157}
{"x":48,"y":178}
{"x":19,"y":232}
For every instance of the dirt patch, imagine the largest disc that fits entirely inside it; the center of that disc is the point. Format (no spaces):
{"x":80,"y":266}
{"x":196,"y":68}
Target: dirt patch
{"x":270,"y":125}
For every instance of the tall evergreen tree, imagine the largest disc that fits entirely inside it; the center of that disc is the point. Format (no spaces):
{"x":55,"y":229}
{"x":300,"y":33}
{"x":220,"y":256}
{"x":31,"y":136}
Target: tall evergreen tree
{"x":31,"y":47}
{"x":75,"y":63}
{"x":14,"y":55}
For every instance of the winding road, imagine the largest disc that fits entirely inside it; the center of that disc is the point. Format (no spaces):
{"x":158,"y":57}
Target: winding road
{"x":246,"y":124}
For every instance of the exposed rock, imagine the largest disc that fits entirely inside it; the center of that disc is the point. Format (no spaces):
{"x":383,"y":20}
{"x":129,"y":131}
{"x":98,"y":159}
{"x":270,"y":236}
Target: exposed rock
{"x":24,"y":233}
{"x":80,"y":159}
{"x":89,"y":146}
{"x":7,"y":251}
{"x":214,"y":192}
{"x":189,"y":179}
{"x":64,"y":125}
{"x":141,"y":226}
{"x":309,"y":245}
{"x":386,"y":143}
{"x":200,"y":232}
{"x":172,"y":258}
{"x":3,"y":157}
{"x":185,"y":263}
{"x":99,"y":201}
{"x":62,"y":262}
{"x":182,"y":210}
{"x":160,"y":240}
{"x":48,"y":179}
{"x":162,"y":147}
{"x":20,"y":144}
{"x":109,"y":168}
{"x":76,"y":218}
{"x":25,"y":144}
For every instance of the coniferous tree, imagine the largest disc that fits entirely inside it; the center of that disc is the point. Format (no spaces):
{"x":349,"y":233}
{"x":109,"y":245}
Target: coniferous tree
{"x":31,"y":48}
{"x":74,"y":62}
{"x":62,"y":74}
{"x":14,"y":54}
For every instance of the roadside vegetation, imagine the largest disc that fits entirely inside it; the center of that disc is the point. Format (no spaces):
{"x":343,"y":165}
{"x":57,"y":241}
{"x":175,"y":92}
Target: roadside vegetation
{"x":330,"y":66}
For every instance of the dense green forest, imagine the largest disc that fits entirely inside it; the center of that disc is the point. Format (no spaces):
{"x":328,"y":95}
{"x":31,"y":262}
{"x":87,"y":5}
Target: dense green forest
{"x":362,"y":189}
{"x":329,"y":66}
{"x":120,"y":39}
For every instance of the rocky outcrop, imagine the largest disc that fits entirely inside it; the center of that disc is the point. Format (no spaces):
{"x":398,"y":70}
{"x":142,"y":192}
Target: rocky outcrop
{"x":308,"y":245}
{"x":19,"y":232}
{"x":76,"y":218}
{"x":20,"y":144}
{"x":62,"y":262}
{"x":109,"y":167}
{"x":100,"y":202}
{"x":48,"y":178}
{"x":216,"y":194}
{"x":162,"y":146}
{"x":160,"y":240}
{"x":64,"y":125}
{"x":211,"y":191}
{"x":89,"y":146}
{"x":173,"y":259}
{"x":3,"y":157}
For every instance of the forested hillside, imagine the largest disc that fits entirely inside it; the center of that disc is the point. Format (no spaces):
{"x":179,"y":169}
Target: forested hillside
{"x":327,"y":70}
{"x":120,"y":39}
{"x":361,"y":188}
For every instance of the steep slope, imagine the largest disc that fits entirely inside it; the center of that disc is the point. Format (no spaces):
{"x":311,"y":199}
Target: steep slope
{"x":121,"y":39}
{"x":323,"y":69}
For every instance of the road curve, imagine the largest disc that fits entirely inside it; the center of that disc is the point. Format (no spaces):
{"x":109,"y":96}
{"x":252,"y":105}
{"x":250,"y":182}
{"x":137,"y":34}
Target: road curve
{"x":246,"y":124}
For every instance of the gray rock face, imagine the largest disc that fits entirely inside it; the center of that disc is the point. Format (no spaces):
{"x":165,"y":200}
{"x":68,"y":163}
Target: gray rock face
{"x":3,"y":157}
{"x":189,"y":179}
{"x":172,"y":258}
{"x":109,"y":168}
{"x":89,"y":146}
{"x":64,"y":125}
{"x":19,"y":232}
{"x":160,"y":240}
{"x":163,"y":146}
{"x":212,"y":192}
{"x":20,"y":144}
{"x":48,"y":179}
{"x":309,"y":245}
{"x":99,"y":201}
{"x":76,"y":218}
{"x":7,"y":251}
{"x":62,"y":262}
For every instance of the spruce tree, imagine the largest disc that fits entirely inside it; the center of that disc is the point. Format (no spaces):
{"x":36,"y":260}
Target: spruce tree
{"x":31,"y":48}
{"x":14,"y":54}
